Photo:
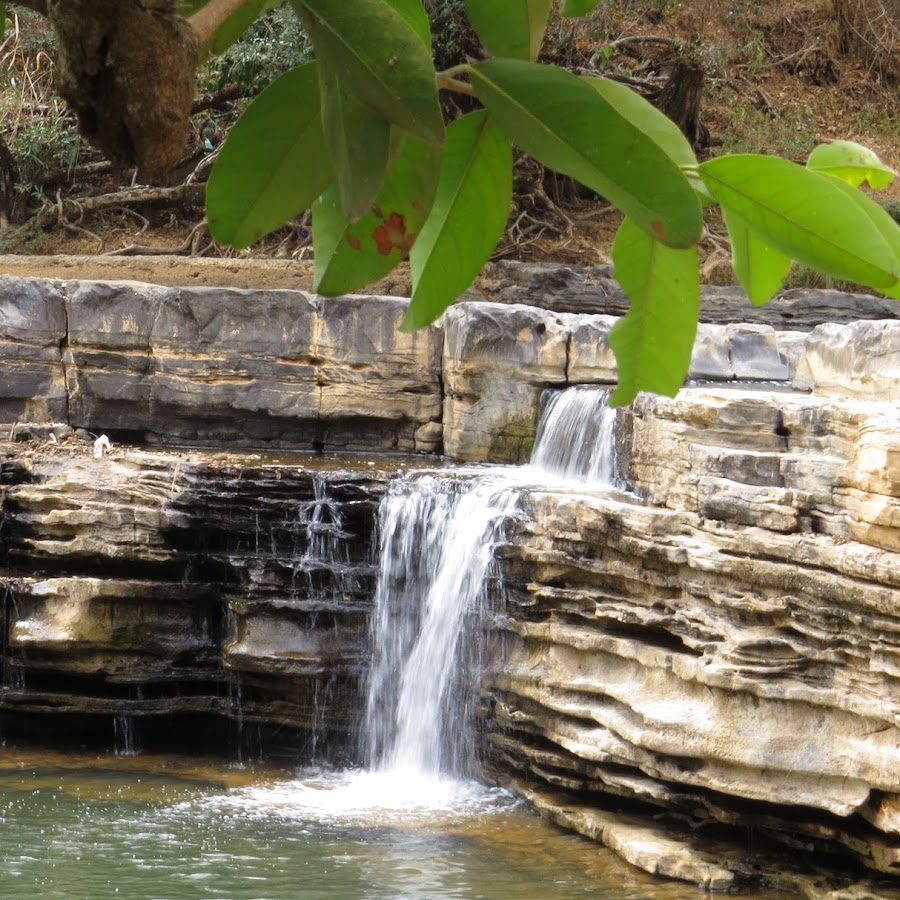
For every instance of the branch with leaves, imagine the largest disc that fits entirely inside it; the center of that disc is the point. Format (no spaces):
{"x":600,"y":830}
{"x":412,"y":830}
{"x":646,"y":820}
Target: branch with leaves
{"x":358,"y":137}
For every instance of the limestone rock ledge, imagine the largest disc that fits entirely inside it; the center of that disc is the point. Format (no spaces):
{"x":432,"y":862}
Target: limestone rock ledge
{"x":193,"y":594}
{"x":205,"y":365}
{"x":719,"y":649}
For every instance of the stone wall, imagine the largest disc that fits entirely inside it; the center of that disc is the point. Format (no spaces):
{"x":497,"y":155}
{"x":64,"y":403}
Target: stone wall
{"x":204,"y":366}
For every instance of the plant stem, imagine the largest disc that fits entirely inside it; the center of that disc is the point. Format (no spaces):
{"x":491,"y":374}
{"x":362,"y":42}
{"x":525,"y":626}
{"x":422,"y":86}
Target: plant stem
{"x":449,"y":82}
{"x":207,"y":19}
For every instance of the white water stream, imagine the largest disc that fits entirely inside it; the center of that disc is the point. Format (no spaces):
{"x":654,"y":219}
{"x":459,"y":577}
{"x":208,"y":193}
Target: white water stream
{"x":438,"y":534}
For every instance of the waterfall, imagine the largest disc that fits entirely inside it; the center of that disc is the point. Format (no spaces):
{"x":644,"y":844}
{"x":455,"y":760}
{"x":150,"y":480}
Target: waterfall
{"x":437,"y":538}
{"x":576,"y":438}
{"x":438,"y":532}
{"x":438,"y":535}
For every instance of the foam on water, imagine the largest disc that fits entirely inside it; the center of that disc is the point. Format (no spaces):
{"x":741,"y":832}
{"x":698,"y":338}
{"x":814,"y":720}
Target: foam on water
{"x":368,"y":798}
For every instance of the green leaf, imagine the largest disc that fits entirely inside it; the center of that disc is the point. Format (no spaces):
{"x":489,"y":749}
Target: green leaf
{"x":416,"y":17}
{"x":273,"y":164}
{"x":851,"y":162}
{"x":578,"y":7}
{"x":381,"y":58}
{"x":467,"y":219}
{"x":657,"y":126}
{"x":878,"y":216}
{"x":654,"y":341}
{"x":564,"y":123}
{"x":513,"y":28}
{"x":352,"y":255}
{"x":805,"y":215}
{"x":358,"y":141}
{"x":760,"y":269}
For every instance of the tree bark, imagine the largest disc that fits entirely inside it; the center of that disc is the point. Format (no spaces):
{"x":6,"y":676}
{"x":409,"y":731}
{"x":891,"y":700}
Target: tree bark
{"x":679,"y":98}
{"x":8,"y":178}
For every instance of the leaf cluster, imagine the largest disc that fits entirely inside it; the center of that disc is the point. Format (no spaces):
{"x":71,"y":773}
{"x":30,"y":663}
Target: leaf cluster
{"x":357,"y":135}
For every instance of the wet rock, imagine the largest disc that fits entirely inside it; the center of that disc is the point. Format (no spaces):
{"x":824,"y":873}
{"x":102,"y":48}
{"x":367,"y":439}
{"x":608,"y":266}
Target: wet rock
{"x":497,"y":361}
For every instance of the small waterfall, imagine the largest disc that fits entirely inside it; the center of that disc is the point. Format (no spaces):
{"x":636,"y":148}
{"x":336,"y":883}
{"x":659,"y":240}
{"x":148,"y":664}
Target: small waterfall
{"x":576,"y":438}
{"x":125,"y":741}
{"x":437,"y":540}
{"x":438,"y":535}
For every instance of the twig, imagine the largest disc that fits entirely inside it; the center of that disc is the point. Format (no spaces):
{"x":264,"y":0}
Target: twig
{"x":644,"y":39}
{"x":202,"y":167}
{"x":218,"y":98}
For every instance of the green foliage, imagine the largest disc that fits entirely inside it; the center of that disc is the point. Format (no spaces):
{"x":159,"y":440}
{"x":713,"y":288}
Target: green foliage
{"x":273,"y":166}
{"x":511,"y":27}
{"x":382,"y":59}
{"x":385,"y":180}
{"x":274,"y":43}
{"x":564,"y":123}
{"x":653,"y":342}
{"x":852,"y":163}
{"x":467,"y":219}
{"x":45,"y":145}
{"x":351,"y":254}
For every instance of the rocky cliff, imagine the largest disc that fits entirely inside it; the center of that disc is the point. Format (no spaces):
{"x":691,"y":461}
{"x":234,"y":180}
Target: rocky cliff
{"x":207,"y":600}
{"x":711,"y":655}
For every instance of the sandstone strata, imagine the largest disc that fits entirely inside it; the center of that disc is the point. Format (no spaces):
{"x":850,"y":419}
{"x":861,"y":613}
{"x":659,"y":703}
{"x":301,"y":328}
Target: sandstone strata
{"x":156,"y":586}
{"x":722,"y":647}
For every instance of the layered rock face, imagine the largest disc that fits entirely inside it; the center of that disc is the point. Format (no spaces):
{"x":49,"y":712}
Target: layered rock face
{"x":193,"y":596}
{"x":721,"y":649}
{"x":715,"y":651}
{"x":204,"y":366}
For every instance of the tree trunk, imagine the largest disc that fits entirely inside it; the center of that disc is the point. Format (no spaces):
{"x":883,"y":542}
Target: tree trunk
{"x":680,"y":97}
{"x":8,"y":176}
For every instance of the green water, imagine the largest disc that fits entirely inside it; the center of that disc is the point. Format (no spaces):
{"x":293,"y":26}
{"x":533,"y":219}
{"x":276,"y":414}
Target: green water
{"x":84,"y":828}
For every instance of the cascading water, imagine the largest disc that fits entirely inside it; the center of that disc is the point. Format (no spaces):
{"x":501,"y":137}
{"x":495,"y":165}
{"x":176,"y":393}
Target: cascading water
{"x":437,"y":542}
{"x":576,"y":438}
{"x":438,"y":533}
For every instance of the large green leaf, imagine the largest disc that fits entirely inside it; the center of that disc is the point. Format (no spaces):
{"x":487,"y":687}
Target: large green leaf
{"x":852,"y":163}
{"x":657,"y":126}
{"x":578,"y":7}
{"x":654,"y":341}
{"x":805,"y":215}
{"x":467,"y":219}
{"x":564,"y":123}
{"x":358,"y":141}
{"x":760,"y":269}
{"x":879,"y":217}
{"x":273,"y":164}
{"x":352,"y":255}
{"x":381,"y":58}
{"x":413,"y":11}
{"x":513,"y":28}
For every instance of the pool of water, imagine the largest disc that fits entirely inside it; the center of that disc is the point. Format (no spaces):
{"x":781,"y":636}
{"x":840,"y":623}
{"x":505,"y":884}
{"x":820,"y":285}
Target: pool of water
{"x":82,"y":827}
